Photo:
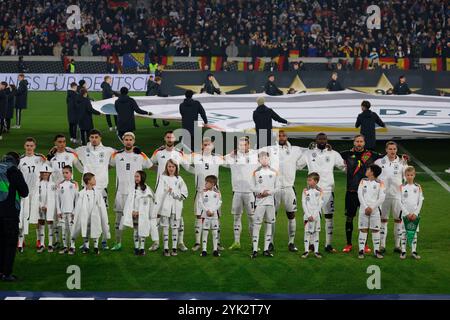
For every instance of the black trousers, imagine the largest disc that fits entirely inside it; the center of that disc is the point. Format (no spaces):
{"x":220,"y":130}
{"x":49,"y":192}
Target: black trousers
{"x":263,"y":138}
{"x":8,"y":124}
{"x":18,"y":117}
{"x":84,"y":136}
{"x":9,"y":233}
{"x":108,"y":120}
{"x":2,"y":125}
{"x":73,"y":130}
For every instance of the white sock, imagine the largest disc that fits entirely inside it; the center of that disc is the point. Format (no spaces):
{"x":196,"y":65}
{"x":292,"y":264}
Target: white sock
{"x":362,"y":240}
{"x":38,"y":233}
{"x":315,"y":237}
{"x":142,"y":242}
{"x":273,"y":233}
{"x":256,"y":230}
{"x":215,"y":239}
{"x":72,"y":243}
{"x":175,"y":234}
{"x":136,"y":237}
{"x":414,"y":242}
{"x":95,"y":243}
{"x":21,"y":239}
{"x":376,"y":241}
{"x":329,"y":231}
{"x":154,"y":232}
{"x":181,"y":231}
{"x":41,"y":231}
{"x":250,"y":224}
{"x":117,"y":227}
{"x":397,"y":233}
{"x":403,"y":241}
{"x":204,"y":239}
{"x":50,"y":234}
{"x":198,"y":230}
{"x":292,"y":227}
{"x":268,"y":236}
{"x":383,"y":234}
{"x":166,"y":237}
{"x":56,"y":232}
{"x":86,"y":243}
{"x":306,"y":238}
{"x":237,"y":225}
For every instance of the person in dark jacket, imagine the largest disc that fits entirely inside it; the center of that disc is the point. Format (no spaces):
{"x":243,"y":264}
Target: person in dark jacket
{"x":271,"y":88}
{"x":3,"y":106}
{"x":10,"y":106}
{"x":209,"y":85}
{"x":367,"y":121}
{"x":111,"y":67}
{"x":86,"y":111}
{"x":263,"y":116}
{"x":190,"y":109}
{"x":334,"y":84}
{"x":72,"y":111}
{"x":107,"y":93}
{"x":150,"y":84}
{"x":401,"y":88}
{"x":154,"y":89}
{"x":21,"y":99}
{"x":81,"y":84}
{"x":9,"y":214}
{"x":125,"y":108}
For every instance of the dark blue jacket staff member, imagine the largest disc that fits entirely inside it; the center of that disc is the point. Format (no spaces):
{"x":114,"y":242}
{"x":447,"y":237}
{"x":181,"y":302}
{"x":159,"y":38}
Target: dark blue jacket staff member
{"x":125,"y":108}
{"x":108,"y":93}
{"x":12,"y":188}
{"x":367,"y":121}
{"x":263,"y":116}
{"x":190,"y":109}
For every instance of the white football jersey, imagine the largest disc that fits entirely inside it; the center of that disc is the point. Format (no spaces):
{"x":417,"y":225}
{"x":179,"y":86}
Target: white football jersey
{"x":162,"y":155}
{"x":62,"y":159}
{"x":323,"y":163}
{"x":392,"y":175}
{"x":371,"y":194}
{"x":411,"y":198}
{"x":127,"y":163}
{"x":312,"y":202}
{"x":96,"y":160}
{"x":209,"y":201}
{"x":265,"y":179}
{"x":205,"y":165}
{"x":30,"y":166}
{"x":284,"y":159}
{"x":242,"y":166}
{"x":66,"y":196}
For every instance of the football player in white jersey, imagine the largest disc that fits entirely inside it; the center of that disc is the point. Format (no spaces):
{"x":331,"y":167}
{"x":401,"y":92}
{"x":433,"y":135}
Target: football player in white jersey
{"x":412,"y":201}
{"x":30,"y":164}
{"x":266,"y":183}
{"x":95,"y":158}
{"x":127,"y":161}
{"x":203,"y":164}
{"x":371,"y":194}
{"x":393,"y":168}
{"x":242,"y":162}
{"x":159,"y":159}
{"x":285,"y":158}
{"x":60,"y":156}
{"x":323,"y":160}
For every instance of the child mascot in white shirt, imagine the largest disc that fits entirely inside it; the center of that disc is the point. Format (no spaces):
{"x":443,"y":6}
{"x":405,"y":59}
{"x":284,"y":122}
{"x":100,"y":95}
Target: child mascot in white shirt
{"x":208,"y":202}
{"x":170,"y":194}
{"x":138,"y":210}
{"x":90,"y":215}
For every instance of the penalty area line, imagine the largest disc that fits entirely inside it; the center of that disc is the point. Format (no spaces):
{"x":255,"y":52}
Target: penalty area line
{"x":426,"y":169}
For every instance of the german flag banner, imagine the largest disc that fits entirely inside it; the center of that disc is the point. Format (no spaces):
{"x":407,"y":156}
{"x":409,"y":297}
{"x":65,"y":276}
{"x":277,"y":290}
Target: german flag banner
{"x":280,"y":62}
{"x":242,"y":65}
{"x":202,"y":62}
{"x":387,"y":61}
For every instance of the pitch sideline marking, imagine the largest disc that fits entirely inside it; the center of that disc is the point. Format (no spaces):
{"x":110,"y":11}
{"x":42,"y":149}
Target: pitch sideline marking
{"x":426,"y":169}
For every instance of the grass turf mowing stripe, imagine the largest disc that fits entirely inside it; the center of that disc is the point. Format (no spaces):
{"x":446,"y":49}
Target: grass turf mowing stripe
{"x":426,"y":169}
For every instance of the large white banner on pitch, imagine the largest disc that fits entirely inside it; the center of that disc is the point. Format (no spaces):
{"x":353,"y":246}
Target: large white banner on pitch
{"x":61,"y":82}
{"x":411,"y":116}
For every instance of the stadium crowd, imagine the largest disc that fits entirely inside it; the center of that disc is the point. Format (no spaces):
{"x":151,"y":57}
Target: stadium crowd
{"x":254,"y":28}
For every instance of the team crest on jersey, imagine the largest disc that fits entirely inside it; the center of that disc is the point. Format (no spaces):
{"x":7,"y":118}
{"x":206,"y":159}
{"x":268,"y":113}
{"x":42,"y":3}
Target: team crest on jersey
{"x":405,"y":194}
{"x":415,"y":190}
{"x":383,"y":161}
{"x":314,"y":154}
{"x":62,"y":189}
{"x":374,"y":187}
{"x":327,"y":159}
{"x":145,"y":202}
{"x":260,"y":179}
{"x":101,"y":155}
{"x":308,"y":197}
{"x":36,"y":161}
{"x":396,"y":167}
{"x":270,"y":176}
{"x":66,"y":158}
{"x":53,"y":188}
{"x":205,"y":199}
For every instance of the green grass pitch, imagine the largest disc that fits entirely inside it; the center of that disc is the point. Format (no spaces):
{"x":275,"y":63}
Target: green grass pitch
{"x":235,"y":271}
